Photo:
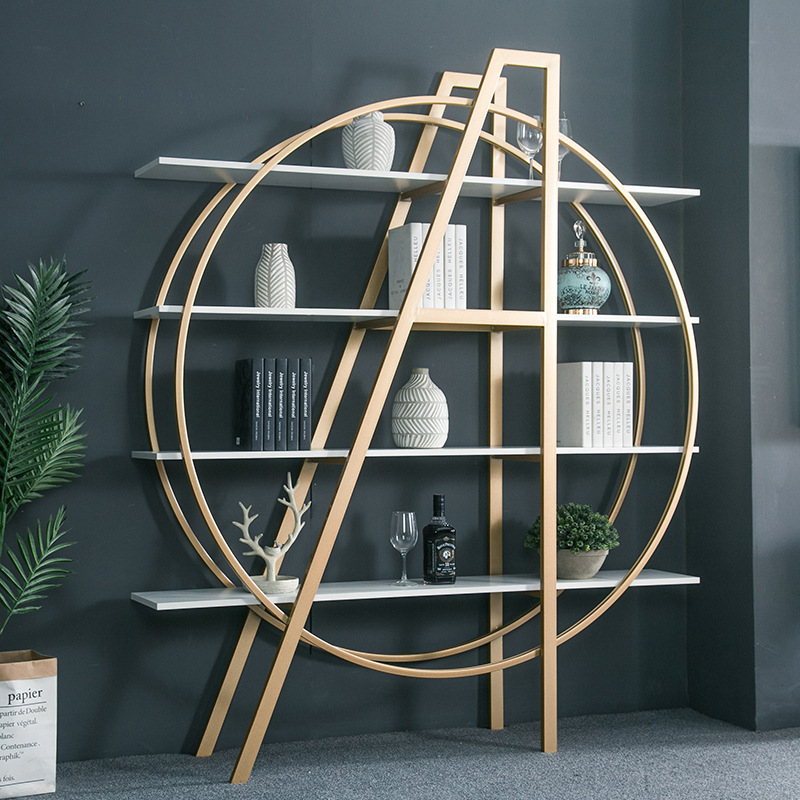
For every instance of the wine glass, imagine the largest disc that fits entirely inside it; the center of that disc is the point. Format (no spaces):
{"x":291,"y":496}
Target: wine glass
{"x":529,"y":140}
{"x":565,"y":127}
{"x":403,"y":536}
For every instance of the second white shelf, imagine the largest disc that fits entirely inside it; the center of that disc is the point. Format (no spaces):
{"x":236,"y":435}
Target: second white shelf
{"x":338,"y":454}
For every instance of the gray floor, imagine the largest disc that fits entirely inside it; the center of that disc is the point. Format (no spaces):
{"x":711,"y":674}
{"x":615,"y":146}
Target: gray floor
{"x":658,"y":755}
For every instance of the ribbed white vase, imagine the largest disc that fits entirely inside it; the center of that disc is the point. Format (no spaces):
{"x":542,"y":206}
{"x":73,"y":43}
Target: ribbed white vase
{"x":274,"y":279}
{"x":419,"y":412}
{"x":368,"y":143}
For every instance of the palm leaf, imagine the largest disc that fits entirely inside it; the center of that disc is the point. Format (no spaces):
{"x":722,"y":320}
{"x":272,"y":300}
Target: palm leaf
{"x":38,"y":322}
{"x":40,"y":447}
{"x":36,"y":568}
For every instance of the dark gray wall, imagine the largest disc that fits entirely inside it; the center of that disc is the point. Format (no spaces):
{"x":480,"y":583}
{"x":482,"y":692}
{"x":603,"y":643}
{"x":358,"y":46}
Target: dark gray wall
{"x":717,"y":278}
{"x":94,"y":90}
{"x":775,"y":382}
{"x":741,"y":147}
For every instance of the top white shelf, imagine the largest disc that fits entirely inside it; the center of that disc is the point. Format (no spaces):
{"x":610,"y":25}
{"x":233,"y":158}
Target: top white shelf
{"x":306,"y":177}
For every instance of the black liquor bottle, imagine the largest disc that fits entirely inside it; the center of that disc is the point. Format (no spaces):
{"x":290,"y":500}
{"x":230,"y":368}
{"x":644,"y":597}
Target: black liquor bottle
{"x":439,"y":547}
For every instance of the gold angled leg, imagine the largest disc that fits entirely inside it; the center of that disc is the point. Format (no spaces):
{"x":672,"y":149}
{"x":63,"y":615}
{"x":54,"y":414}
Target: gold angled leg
{"x":229,"y":684}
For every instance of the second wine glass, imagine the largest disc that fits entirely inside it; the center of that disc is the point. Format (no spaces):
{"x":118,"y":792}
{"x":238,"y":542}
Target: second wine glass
{"x":529,"y":139}
{"x":403,"y":535}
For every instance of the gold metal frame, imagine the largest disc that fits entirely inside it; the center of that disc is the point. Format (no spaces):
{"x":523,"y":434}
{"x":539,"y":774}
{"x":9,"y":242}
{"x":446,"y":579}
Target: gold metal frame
{"x":489,"y":99}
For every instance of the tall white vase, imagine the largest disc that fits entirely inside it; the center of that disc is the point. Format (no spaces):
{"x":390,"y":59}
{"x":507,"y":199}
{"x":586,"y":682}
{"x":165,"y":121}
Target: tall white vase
{"x":368,"y":143}
{"x":419,"y":413}
{"x":274,"y":278}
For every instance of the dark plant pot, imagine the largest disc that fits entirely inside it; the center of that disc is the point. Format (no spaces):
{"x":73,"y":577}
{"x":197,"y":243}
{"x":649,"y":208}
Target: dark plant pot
{"x":579,"y":566}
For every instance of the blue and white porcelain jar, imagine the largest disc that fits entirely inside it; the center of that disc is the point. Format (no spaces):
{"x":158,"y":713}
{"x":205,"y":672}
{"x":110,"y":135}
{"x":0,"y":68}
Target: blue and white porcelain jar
{"x":582,"y":286}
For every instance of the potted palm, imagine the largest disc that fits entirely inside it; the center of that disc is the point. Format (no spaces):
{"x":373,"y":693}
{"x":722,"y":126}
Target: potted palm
{"x":41,"y":447}
{"x":583,"y":539}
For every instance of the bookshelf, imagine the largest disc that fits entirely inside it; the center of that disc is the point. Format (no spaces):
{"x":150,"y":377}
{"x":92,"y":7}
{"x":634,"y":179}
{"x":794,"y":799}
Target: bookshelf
{"x":272,"y":170}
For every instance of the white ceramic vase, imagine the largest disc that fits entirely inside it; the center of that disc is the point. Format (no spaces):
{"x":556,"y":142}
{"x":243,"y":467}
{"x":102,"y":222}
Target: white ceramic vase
{"x":274,"y":278}
{"x":419,"y":413}
{"x":368,"y":143}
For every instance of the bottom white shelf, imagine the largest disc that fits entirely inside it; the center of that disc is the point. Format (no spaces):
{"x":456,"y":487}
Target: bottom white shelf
{"x":179,"y":599}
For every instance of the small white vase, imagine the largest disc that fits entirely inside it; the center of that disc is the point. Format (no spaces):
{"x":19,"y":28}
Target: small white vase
{"x":274,"y":278}
{"x":368,"y":143}
{"x":419,"y":413}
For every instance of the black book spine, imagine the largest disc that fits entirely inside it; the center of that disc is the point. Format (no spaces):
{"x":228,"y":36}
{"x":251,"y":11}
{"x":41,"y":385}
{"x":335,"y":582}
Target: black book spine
{"x":280,"y":403}
{"x":249,"y":419}
{"x":269,"y":404}
{"x":293,"y":404}
{"x":306,"y":379}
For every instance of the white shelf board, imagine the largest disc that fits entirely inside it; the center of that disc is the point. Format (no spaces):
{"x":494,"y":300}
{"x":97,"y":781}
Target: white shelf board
{"x":338,"y":454}
{"x":266,"y":314}
{"x":181,"y":599}
{"x":173,"y":312}
{"x":619,"y":321}
{"x":308,"y":177}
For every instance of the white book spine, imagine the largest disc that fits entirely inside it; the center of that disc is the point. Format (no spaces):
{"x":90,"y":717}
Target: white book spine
{"x":574,"y":425}
{"x":450,"y":267}
{"x":597,"y":403}
{"x":461,"y":266}
{"x":627,"y":419}
{"x":405,"y":244}
{"x":608,"y":404}
{"x":428,"y":299}
{"x":619,"y":404}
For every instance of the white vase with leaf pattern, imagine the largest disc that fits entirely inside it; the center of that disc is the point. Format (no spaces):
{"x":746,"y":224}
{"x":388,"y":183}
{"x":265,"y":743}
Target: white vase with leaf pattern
{"x":274,"y":278}
{"x":419,"y":413}
{"x":368,"y":143}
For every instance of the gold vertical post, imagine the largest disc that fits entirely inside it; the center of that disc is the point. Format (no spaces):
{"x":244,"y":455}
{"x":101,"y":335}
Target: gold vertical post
{"x":495,"y":499}
{"x":548,"y":466}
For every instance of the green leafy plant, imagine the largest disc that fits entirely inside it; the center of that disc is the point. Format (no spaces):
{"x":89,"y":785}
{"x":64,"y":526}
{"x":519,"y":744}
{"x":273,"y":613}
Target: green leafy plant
{"x":41,"y":444}
{"x":578,"y":528}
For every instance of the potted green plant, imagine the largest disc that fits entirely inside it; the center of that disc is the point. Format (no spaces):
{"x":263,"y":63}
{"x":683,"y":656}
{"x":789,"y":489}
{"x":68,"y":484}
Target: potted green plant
{"x":583,"y":539}
{"x":41,"y":447}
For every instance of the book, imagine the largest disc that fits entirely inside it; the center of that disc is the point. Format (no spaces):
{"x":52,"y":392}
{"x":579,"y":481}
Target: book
{"x":306,"y":381}
{"x":461,"y":265}
{"x":405,"y":244}
{"x":433,"y":296}
{"x":597,"y":403}
{"x":292,"y":403}
{"x":627,"y":413}
{"x":616,"y":436}
{"x":574,"y":395}
{"x":449,"y":246}
{"x":608,"y":404}
{"x":248,"y":411}
{"x":280,"y":403}
{"x":269,"y":404}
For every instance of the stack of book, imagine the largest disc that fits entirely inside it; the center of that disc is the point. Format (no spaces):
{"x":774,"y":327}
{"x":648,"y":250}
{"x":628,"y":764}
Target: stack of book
{"x":595,"y":404}
{"x":447,"y":284}
{"x":273,"y":404}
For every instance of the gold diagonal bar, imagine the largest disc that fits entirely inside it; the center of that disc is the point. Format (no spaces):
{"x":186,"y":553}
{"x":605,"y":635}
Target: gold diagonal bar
{"x":369,"y":420}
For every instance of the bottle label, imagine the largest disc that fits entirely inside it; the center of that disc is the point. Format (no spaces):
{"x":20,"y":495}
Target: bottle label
{"x":440,"y":559}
